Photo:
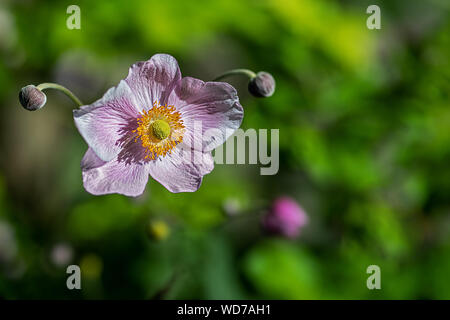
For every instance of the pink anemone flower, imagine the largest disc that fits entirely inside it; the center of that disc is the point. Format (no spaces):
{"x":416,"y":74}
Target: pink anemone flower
{"x":148,"y":123}
{"x":285,"y":218}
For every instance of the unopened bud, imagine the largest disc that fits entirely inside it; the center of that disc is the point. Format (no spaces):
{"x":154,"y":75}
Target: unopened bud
{"x":263,"y":85}
{"x":31,"y":98}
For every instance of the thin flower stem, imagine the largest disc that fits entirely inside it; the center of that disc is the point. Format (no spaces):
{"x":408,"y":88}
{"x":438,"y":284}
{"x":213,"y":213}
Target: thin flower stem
{"x":233,"y":72}
{"x":67,"y":92}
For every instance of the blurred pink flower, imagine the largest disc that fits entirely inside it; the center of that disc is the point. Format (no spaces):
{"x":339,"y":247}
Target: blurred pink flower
{"x":285,"y":218}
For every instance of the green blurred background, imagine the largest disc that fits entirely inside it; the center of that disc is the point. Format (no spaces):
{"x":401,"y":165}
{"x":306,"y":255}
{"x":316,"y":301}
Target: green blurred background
{"x":364,"y":123}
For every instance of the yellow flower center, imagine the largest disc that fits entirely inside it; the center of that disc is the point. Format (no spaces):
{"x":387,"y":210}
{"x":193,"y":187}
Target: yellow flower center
{"x":160,"y":129}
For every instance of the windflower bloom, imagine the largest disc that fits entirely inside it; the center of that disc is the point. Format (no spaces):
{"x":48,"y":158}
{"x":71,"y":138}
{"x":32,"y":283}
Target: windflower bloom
{"x":148,"y":123}
{"x":285,"y":218}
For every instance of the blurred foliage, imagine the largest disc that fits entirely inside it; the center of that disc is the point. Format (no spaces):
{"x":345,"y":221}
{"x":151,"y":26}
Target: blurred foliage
{"x":364,"y":123}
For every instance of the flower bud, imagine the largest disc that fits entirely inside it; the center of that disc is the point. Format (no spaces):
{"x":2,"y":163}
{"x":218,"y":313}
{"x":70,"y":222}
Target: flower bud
{"x":263,"y":85}
{"x":31,"y":98}
{"x":285,"y":218}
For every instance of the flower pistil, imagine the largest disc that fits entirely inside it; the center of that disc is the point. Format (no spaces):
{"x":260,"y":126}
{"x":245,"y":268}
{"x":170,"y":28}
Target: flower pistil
{"x":160,"y":129}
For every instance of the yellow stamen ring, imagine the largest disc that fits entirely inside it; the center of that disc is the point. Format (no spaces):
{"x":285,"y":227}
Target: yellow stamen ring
{"x":160,"y":129}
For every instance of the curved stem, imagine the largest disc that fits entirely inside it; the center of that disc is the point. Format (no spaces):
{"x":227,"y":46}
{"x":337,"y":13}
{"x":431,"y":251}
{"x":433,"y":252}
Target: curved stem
{"x":233,"y":72}
{"x":67,"y":92}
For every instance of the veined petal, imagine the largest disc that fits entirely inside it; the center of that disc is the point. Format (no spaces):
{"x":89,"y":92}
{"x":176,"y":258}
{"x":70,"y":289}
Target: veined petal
{"x":182,"y":170}
{"x":115,"y":176}
{"x":153,"y":80}
{"x":105,"y":122}
{"x":91,"y":160}
{"x":207,"y":107}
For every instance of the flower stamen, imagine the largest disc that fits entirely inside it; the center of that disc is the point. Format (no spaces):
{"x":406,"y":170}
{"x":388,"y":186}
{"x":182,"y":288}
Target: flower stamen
{"x":160,"y":129}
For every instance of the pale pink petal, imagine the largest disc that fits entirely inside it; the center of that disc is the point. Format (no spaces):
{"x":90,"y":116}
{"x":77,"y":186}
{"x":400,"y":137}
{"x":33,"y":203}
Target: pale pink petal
{"x":211,"y":107}
{"x":91,"y":160}
{"x":179,"y":173}
{"x":104,"y":123}
{"x":153,"y":80}
{"x":115,"y":176}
